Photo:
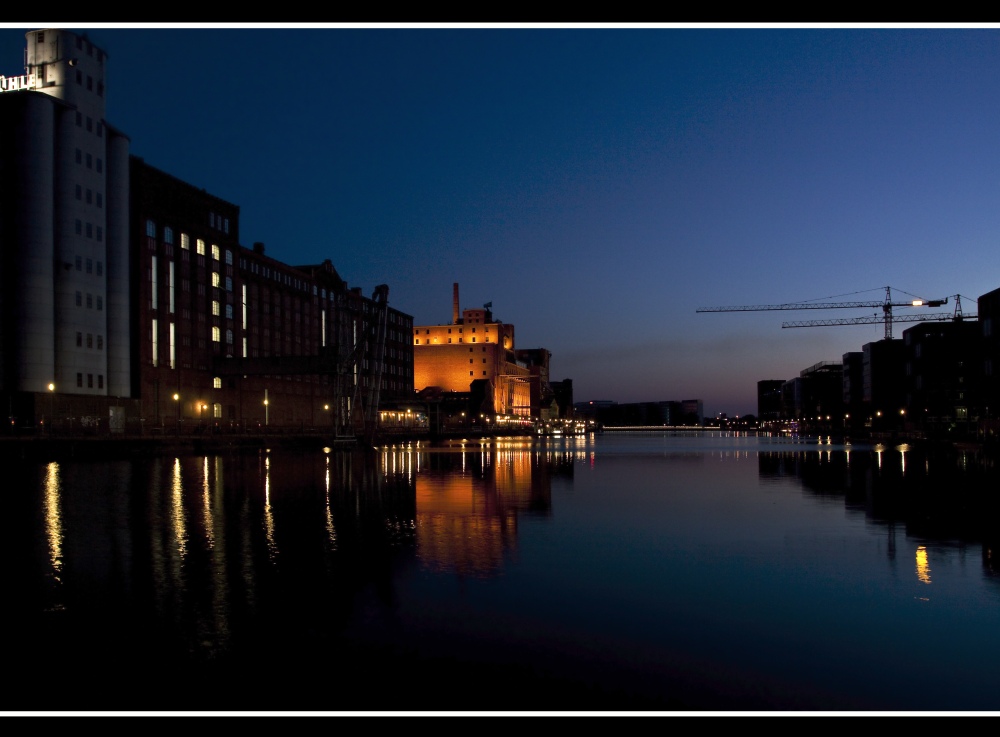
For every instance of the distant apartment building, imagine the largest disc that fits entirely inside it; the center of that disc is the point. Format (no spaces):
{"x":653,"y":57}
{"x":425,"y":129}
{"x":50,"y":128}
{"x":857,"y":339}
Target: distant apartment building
{"x":769,"y":400}
{"x":989,"y":332}
{"x":944,"y":372}
{"x":815,"y":397}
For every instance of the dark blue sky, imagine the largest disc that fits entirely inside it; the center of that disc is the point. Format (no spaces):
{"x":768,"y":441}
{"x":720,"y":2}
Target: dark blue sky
{"x":597,"y":185}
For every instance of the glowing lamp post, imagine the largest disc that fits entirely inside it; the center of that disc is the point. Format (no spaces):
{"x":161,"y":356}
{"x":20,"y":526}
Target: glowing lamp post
{"x":52,"y":399}
{"x":265,"y":408}
{"x":177,"y":401}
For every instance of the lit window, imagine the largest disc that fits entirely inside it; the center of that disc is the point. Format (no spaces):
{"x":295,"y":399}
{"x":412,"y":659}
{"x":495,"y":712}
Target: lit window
{"x":185,"y":241}
{"x":217,"y":382}
{"x":215,"y":307}
{"x":201,"y":247}
{"x":215,"y":278}
{"x":216,"y":252}
{"x":216,"y":335}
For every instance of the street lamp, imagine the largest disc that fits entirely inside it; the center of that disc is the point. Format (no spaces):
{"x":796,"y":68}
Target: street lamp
{"x":265,"y":408}
{"x":177,"y":401}
{"x":52,"y":391}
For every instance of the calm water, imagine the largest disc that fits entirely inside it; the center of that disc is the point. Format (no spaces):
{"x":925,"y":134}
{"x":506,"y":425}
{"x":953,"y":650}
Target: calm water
{"x":639,"y":572}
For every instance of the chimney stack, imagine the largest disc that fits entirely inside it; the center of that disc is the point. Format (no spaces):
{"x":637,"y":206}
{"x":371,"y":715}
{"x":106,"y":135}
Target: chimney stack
{"x":454,"y":304}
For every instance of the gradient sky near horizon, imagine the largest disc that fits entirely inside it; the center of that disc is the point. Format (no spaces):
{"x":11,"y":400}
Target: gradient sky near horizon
{"x":598,"y":185}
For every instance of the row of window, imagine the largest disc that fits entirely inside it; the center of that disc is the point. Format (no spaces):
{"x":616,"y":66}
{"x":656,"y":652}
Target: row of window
{"x":90,"y":83}
{"x":217,"y":336}
{"x":218,"y":222}
{"x":200,"y":244}
{"x":417,"y":341}
{"x":90,"y":341}
{"x":90,"y":381}
{"x":91,"y":231}
{"x":90,"y":301}
{"x":428,"y":332}
{"x":92,"y":197}
{"x":96,"y":163}
{"x":92,"y":266}
{"x":90,"y":124}
{"x":81,"y":43}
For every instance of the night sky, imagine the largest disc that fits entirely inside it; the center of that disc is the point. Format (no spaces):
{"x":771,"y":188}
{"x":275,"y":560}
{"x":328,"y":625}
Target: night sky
{"x":598,"y":185}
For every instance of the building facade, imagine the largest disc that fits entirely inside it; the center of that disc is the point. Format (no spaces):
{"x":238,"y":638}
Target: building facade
{"x":474,"y":348}
{"x":233,"y":338}
{"x":64,"y":232}
{"x":127,"y":295}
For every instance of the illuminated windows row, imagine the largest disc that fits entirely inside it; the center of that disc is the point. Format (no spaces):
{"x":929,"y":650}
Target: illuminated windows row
{"x":217,"y":335}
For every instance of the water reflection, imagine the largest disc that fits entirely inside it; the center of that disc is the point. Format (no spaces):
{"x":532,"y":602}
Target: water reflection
{"x":639,"y":570}
{"x":945,"y":502}
{"x":469,"y":498}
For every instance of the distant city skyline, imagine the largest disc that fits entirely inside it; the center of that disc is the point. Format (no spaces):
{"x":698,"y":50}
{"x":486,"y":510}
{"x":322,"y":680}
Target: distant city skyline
{"x":597,"y":185}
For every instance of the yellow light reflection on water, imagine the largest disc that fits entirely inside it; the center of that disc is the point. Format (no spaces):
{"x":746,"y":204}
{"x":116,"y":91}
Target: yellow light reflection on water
{"x":331,"y":531}
{"x":923,"y":566}
{"x":272,"y":545}
{"x":53,"y":518}
{"x":903,"y":448}
{"x":177,"y":508}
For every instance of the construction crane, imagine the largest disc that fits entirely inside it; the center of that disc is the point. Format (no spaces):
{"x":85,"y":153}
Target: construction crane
{"x":886,"y":306}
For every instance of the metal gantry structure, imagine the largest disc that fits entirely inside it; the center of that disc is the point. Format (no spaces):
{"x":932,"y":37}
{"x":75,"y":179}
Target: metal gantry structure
{"x":886,"y":306}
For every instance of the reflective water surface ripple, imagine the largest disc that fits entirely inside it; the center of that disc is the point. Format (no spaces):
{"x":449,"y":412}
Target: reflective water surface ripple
{"x":641,"y":571}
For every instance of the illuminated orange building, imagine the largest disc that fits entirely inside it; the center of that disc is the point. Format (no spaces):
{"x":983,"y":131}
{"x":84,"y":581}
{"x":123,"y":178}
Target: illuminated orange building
{"x":473,"y":347}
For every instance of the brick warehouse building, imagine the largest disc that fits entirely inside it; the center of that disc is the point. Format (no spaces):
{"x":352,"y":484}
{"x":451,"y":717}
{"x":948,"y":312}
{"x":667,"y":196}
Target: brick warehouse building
{"x":222,"y":328}
{"x":474,"y":354}
{"x":128,"y":300}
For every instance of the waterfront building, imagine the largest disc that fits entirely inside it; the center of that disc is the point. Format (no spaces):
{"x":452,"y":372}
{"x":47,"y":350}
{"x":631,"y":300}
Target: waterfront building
{"x":64,"y":235}
{"x":233,"y":338}
{"x":474,"y":353}
{"x":944,"y":373}
{"x":814,"y":399}
{"x":884,"y":393}
{"x":127,"y":297}
{"x":988,"y":307}
{"x":769,"y":400}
